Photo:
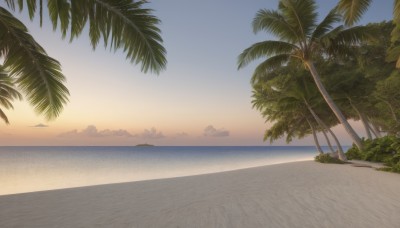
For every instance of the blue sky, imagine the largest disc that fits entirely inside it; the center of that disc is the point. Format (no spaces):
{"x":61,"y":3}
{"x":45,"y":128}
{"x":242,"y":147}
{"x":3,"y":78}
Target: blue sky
{"x":201,"y":99}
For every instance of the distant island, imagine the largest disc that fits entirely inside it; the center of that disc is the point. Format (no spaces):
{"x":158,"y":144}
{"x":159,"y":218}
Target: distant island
{"x":145,"y":144}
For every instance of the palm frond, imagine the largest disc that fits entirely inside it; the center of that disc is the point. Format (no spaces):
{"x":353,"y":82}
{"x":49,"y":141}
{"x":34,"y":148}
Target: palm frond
{"x":339,"y":41}
{"x":59,"y":12}
{"x":394,"y":55}
{"x":275,"y":23}
{"x":264,"y":49}
{"x":301,"y":15}
{"x":275,"y":132}
{"x":265,"y":67}
{"x":395,"y":36}
{"x":79,"y":16}
{"x":8,"y":93}
{"x":396,"y":12}
{"x":354,"y":35}
{"x":30,"y":4}
{"x":353,"y":9}
{"x":122,"y":24}
{"x":10,"y":4}
{"x":37,"y":75}
{"x":326,"y":25}
{"x":4,"y":117}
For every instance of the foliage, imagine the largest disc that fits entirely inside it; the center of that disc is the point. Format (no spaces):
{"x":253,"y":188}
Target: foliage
{"x":122,"y":25}
{"x":301,"y":40}
{"x":385,"y":149}
{"x":326,"y":158}
{"x":354,"y":153}
{"x":354,"y":9}
{"x":281,"y":100}
{"x":8,"y":93}
{"x":36,"y":74}
{"x":388,"y":92}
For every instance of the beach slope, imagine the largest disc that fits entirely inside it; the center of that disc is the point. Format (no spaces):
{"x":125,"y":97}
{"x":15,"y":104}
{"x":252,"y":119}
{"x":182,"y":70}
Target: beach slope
{"x":300,"y":194}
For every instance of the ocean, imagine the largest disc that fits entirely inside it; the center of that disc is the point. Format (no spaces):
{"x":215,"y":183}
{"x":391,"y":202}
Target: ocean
{"x":28,"y":169}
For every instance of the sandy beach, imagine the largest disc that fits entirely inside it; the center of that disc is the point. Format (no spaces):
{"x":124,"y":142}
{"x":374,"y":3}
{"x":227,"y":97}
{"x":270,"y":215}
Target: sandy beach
{"x":300,"y":194}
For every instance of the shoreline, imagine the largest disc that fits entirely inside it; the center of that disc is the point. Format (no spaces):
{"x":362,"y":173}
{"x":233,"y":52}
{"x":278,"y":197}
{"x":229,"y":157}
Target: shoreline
{"x":155,"y":179}
{"x":296,"y":194}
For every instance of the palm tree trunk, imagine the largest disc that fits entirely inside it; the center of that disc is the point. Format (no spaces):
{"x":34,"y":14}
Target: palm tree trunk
{"x":342,"y":155}
{"x":320,"y":151}
{"x":374,"y":128}
{"x":328,"y":141}
{"x":362,"y":118}
{"x":373,"y":131}
{"x":366,"y":126}
{"x":332,"y":105}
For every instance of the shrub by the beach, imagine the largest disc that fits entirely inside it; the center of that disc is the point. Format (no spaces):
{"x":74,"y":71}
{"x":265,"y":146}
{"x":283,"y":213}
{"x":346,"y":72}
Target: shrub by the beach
{"x":377,"y":150}
{"x":385,"y":149}
{"x":380,"y":149}
{"x":326,"y":158}
{"x":354,"y":153}
{"x":395,"y":168}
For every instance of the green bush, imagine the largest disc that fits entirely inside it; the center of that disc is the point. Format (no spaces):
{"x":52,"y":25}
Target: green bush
{"x":379,"y":150}
{"x":395,"y":168}
{"x":326,"y":158}
{"x":385,"y":149}
{"x":354,"y":153}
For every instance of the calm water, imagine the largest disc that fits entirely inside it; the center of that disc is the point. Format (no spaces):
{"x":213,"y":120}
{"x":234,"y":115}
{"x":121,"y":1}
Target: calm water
{"x":27,"y":169}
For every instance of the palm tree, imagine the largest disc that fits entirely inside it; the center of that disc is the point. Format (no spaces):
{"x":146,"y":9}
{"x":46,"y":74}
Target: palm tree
{"x":121,"y":24}
{"x":284,"y":101}
{"x":295,"y":88}
{"x":353,"y":11}
{"x":7,"y":93}
{"x":301,"y":39}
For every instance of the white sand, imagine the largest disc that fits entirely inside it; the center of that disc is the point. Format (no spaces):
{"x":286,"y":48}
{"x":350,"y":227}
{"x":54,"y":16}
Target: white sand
{"x":301,"y":194}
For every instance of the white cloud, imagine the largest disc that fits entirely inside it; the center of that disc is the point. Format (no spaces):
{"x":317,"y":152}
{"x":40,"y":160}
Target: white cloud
{"x":182,"y":134}
{"x":91,"y":131}
{"x":152,"y":134}
{"x":213,"y":132}
{"x":40,"y":125}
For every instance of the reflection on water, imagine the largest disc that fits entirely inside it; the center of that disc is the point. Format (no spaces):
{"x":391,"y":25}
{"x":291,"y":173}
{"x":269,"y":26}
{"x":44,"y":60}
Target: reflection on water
{"x":27,"y":169}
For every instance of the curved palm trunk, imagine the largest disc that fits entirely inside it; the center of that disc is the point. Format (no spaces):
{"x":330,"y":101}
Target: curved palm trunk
{"x":332,"y":105}
{"x":342,"y":155}
{"x":375,"y":130}
{"x":366,"y":126}
{"x":320,"y":151}
{"x":328,"y":141}
{"x":362,"y":118}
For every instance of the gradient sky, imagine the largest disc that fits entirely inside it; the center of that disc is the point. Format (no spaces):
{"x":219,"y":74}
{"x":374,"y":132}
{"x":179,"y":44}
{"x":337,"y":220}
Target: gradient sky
{"x":201,"y":99}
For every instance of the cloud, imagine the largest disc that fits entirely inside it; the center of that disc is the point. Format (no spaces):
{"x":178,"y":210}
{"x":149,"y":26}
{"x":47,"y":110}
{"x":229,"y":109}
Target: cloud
{"x":40,"y":125}
{"x":182,"y":134}
{"x":212,"y":132}
{"x":152,"y":134}
{"x":91,"y":131}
